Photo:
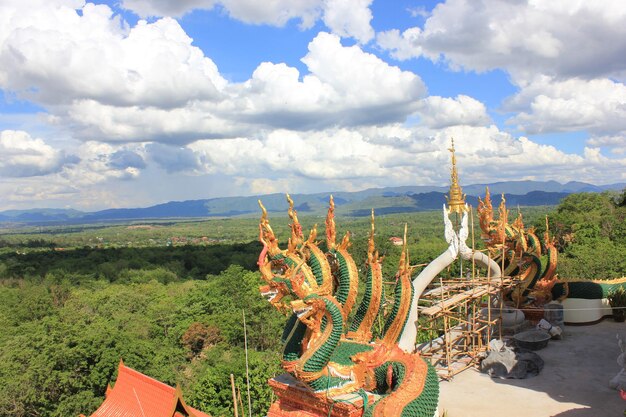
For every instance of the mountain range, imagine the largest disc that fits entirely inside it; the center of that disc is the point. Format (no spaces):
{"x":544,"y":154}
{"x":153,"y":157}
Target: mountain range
{"x":383,"y":200}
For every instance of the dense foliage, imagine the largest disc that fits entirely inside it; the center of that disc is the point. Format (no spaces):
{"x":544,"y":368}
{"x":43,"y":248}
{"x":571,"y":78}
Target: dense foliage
{"x":75,"y":302}
{"x":120,"y":264}
{"x":61,"y":345}
{"x":590,"y":229}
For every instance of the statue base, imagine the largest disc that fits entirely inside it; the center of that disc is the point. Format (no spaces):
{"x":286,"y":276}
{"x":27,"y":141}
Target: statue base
{"x":296,"y":400}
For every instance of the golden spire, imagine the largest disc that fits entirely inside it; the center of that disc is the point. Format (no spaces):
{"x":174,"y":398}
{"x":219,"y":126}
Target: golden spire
{"x":456,"y":198}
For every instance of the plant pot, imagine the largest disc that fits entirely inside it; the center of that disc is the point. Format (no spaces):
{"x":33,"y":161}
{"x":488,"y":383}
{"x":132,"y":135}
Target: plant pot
{"x":532,"y":339}
{"x":619,"y":315}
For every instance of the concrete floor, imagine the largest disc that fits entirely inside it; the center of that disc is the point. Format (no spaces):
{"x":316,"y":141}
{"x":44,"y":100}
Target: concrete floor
{"x":573,"y":382}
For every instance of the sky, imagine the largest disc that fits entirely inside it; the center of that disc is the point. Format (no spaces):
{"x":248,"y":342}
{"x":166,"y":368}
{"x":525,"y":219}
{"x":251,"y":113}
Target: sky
{"x":130,"y":103}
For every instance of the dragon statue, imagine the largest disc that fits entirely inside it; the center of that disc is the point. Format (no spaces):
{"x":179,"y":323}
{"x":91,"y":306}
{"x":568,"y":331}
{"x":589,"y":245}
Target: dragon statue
{"x":521,"y":252}
{"x":334,"y":355}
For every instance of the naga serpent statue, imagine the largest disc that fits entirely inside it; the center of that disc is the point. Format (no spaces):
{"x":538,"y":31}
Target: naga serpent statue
{"x":520,"y":251}
{"x":331,"y":350}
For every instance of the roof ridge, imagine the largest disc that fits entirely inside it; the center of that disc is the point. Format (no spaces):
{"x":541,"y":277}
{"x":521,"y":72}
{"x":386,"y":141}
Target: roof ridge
{"x":145,"y":378}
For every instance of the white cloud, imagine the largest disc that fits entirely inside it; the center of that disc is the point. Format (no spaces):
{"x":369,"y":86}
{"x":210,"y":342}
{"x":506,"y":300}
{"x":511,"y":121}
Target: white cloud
{"x":151,"y":109}
{"x":101,"y":162}
{"x":548,"y":105}
{"x":110,"y":82}
{"x":345,"y":87}
{"x":439,"y":112}
{"x":486,"y":153}
{"x":53,"y":55}
{"x":346,"y":18}
{"x":617,"y":143}
{"x":307,"y":161}
{"x":93,"y":120}
{"x":397,"y":155}
{"x":360,"y":77}
{"x":349,"y":18}
{"x":565,"y":56}
{"x":333,"y":154}
{"x":24,"y":156}
{"x":403,"y":46}
{"x":563,"y":38}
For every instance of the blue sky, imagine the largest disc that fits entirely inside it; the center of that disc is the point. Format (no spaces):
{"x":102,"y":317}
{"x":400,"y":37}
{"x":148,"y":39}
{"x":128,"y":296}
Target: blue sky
{"x":136,"y":102}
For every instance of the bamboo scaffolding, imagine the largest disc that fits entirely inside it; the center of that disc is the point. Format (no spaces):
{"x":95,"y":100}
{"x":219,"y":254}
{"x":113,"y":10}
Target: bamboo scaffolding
{"x":232,"y":384}
{"x":453,"y":309}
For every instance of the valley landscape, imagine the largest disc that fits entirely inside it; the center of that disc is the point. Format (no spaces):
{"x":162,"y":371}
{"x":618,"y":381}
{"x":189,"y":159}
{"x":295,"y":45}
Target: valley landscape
{"x":140,"y":276}
{"x":167,"y":297}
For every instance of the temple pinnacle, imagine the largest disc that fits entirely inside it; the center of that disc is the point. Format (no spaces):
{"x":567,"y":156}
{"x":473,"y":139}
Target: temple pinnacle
{"x":456,"y":198}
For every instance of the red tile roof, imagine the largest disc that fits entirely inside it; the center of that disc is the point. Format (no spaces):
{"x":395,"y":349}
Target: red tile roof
{"x":137,"y":395}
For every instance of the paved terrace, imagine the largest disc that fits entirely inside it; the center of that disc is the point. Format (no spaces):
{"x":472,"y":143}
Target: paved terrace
{"x":573,"y":383}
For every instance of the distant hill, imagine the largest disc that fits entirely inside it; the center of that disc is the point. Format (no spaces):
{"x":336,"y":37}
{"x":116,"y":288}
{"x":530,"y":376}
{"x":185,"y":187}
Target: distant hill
{"x":383,"y":200}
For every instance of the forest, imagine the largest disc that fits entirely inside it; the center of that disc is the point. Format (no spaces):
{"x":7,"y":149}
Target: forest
{"x":169,"y":299}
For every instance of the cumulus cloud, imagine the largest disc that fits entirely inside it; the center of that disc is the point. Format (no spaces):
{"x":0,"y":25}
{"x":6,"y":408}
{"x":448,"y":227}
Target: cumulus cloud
{"x":307,"y":161}
{"x":111,"y":82}
{"x":54,"y":55}
{"x":345,"y":87}
{"x":565,"y":57}
{"x":334,"y":154}
{"x":617,"y":143}
{"x":24,"y":156}
{"x":93,"y":120}
{"x":349,"y":18}
{"x":150,"y":108}
{"x":548,"y":105}
{"x":557,"y":38}
{"x":346,"y":18}
{"x":360,"y":77}
{"x":438,"y":112}
{"x":398,"y":155}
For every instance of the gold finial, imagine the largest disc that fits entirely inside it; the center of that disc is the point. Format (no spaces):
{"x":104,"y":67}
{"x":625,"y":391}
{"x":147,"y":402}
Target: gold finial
{"x":456,"y":198}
